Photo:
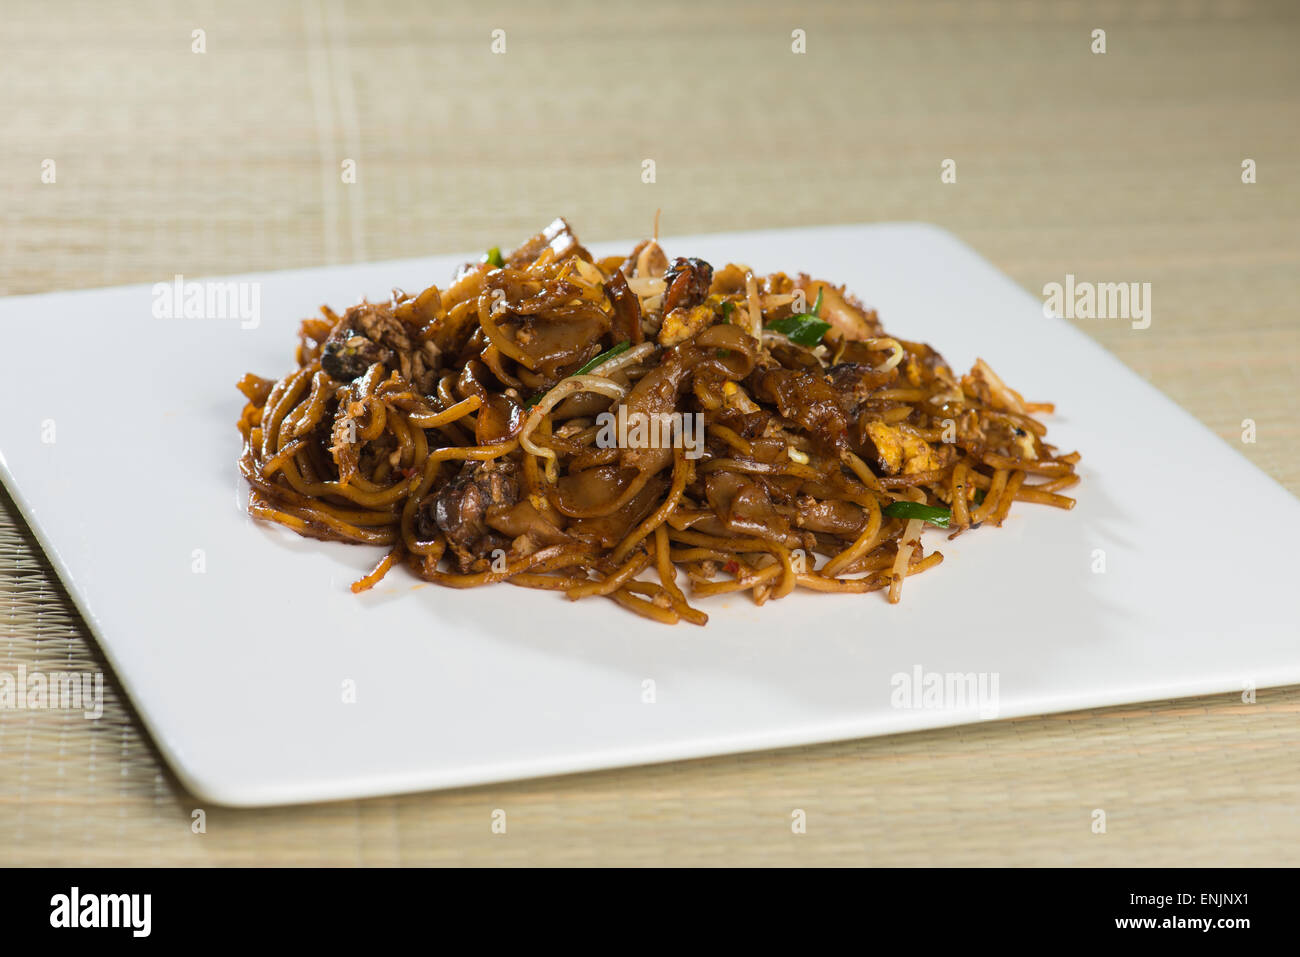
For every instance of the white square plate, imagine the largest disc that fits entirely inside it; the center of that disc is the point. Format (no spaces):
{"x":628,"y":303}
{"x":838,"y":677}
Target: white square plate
{"x":238,"y":671}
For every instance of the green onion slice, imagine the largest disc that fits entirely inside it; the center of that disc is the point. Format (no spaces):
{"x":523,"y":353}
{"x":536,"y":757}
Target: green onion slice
{"x":608,"y":354}
{"x":934,"y":514}
{"x":805,"y":329}
{"x":586,"y":367}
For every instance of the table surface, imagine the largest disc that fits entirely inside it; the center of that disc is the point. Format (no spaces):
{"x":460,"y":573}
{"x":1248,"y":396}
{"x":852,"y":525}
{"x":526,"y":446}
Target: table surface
{"x":1117,"y":166}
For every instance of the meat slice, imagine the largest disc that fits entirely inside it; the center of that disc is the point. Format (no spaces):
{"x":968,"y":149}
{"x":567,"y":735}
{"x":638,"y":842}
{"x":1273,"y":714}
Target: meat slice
{"x":460,"y":509}
{"x":626,"y":323}
{"x":854,"y":382}
{"x":686,"y":284}
{"x":559,"y":236}
{"x":368,"y":333}
{"x":806,"y":399}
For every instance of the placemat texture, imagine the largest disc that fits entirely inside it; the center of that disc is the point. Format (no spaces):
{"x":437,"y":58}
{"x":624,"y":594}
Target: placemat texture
{"x":1115,"y":167}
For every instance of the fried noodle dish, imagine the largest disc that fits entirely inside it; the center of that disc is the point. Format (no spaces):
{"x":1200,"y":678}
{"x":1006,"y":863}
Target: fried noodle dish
{"x":468,"y":431}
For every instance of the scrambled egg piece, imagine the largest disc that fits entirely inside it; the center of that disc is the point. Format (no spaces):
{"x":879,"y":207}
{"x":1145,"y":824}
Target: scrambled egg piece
{"x":680,"y":324}
{"x":1024,"y":443}
{"x":735,"y":397}
{"x":901,"y":450}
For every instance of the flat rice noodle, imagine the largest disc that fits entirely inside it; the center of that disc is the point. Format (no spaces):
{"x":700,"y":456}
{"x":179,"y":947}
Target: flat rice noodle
{"x":591,"y":490}
{"x":555,"y":342}
{"x":744,"y":506}
{"x":608,"y":530}
{"x":830,"y":517}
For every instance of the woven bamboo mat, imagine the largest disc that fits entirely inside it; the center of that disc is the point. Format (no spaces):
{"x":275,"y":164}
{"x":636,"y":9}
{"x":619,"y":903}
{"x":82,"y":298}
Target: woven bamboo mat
{"x":1122,"y":166}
